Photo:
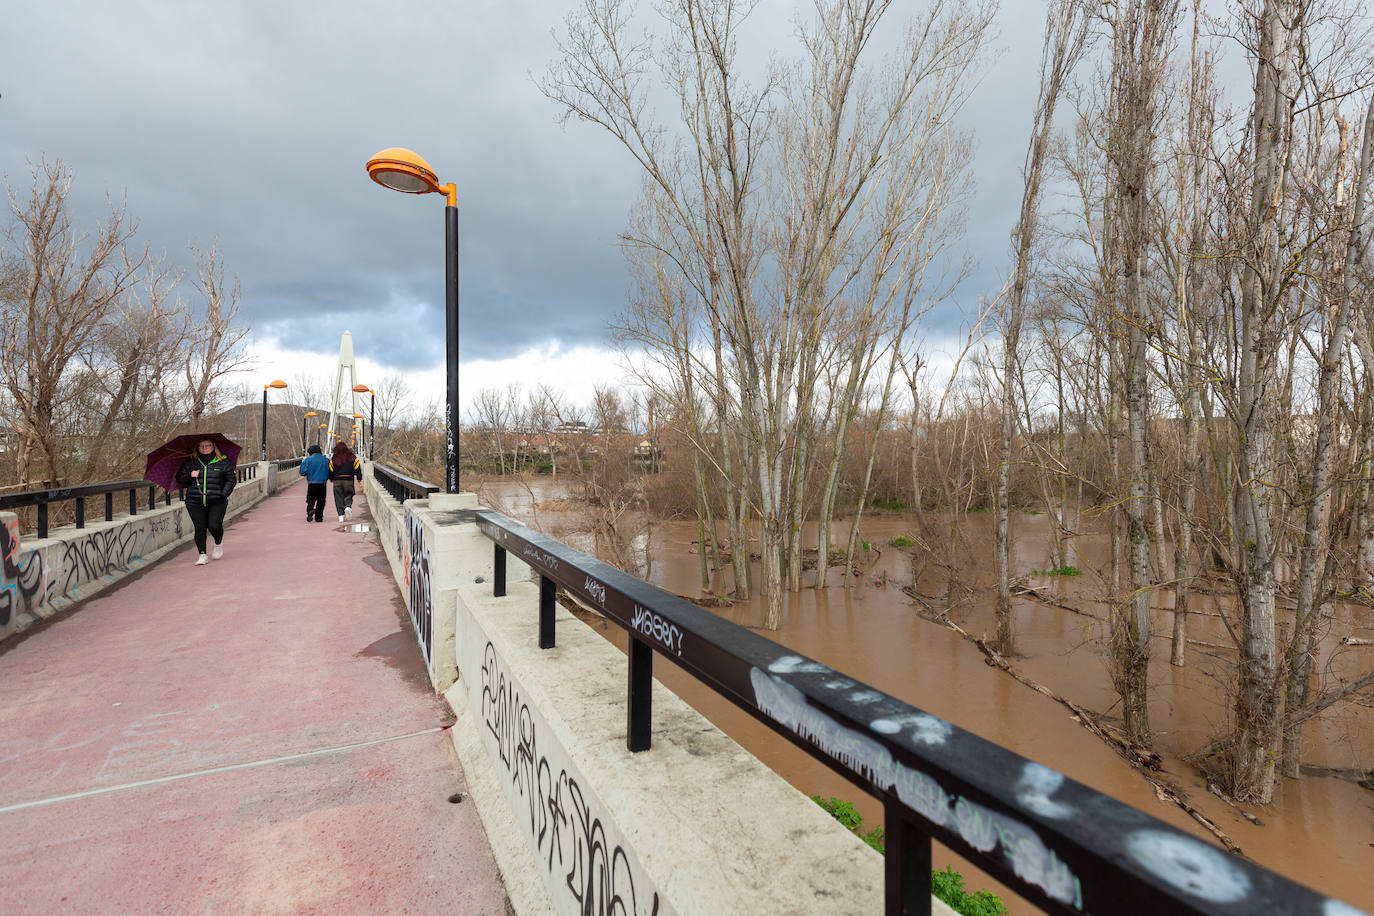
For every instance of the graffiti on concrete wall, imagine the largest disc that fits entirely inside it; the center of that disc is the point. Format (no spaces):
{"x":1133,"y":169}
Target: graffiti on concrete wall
{"x":107,"y":554}
{"x":568,"y":834}
{"x":65,"y":572}
{"x":416,"y":565}
{"x":21,"y":578}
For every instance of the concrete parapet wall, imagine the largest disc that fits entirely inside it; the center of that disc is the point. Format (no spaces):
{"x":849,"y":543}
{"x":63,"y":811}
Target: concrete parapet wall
{"x":418,"y":538}
{"x":41,"y":577}
{"x":578,"y":823}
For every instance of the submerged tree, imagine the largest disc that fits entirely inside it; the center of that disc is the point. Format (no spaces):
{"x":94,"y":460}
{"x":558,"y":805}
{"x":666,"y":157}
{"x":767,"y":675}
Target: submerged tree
{"x":801,"y":212}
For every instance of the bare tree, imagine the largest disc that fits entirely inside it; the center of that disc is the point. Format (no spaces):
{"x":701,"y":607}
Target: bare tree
{"x":61,"y":287}
{"x":1066,"y":36}
{"x":216,"y":347}
{"x":789,"y":174}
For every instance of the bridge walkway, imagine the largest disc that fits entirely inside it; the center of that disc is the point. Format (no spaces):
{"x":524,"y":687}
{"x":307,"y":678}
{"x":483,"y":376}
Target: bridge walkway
{"x":254,"y":735}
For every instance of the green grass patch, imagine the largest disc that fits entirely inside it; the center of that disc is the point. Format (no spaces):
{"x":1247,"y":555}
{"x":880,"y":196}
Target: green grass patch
{"x":902,"y":540}
{"x":1061,"y":571}
{"x":948,"y":885}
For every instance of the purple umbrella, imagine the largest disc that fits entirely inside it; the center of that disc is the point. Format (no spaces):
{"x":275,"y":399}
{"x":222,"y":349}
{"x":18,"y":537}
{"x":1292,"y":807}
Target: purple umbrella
{"x":164,"y":460}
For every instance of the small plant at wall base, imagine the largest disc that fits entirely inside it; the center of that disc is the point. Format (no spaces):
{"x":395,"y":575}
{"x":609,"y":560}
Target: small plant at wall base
{"x":947,"y":885}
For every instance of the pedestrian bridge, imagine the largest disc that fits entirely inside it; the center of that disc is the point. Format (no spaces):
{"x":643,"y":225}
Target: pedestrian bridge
{"x":395,"y":714}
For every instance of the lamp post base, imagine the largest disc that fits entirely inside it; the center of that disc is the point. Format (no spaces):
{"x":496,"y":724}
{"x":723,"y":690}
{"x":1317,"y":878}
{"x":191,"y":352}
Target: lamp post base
{"x":446,"y":501}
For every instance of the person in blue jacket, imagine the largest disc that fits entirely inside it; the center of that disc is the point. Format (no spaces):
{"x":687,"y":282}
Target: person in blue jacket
{"x":315,"y":470}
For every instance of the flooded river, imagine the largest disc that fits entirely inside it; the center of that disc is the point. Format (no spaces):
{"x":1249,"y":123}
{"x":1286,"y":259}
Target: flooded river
{"x":1319,"y":832}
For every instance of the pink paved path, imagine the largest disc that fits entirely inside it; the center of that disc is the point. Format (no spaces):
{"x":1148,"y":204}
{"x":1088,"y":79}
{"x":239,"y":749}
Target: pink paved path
{"x":140,"y":737}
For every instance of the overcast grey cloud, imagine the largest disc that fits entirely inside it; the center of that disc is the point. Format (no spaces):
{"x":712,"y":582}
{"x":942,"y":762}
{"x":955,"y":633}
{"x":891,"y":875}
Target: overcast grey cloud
{"x":251,"y":121}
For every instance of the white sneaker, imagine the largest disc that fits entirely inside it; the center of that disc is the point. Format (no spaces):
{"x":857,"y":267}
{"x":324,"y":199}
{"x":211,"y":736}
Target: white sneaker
{"x":340,"y":518}
{"x":202,"y":561}
{"x":349,"y":512}
{"x":218,"y":552}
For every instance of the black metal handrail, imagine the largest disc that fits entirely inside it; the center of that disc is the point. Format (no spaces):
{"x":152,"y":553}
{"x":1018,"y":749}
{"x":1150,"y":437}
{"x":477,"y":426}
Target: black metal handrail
{"x":399,"y":485}
{"x":286,"y":464}
{"x":1060,"y":844}
{"x":43,"y":498}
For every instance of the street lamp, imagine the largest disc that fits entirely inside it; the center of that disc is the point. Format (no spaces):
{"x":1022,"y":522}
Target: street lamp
{"x":402,"y":170}
{"x":275,"y":383}
{"x":304,"y":444}
{"x":372,"y":423}
{"x":359,"y":425}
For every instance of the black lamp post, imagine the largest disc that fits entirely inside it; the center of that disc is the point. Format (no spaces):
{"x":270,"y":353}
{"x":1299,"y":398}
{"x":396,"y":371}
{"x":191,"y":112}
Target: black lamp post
{"x":276,"y":383}
{"x":304,"y":444}
{"x":402,"y":170}
{"x":372,"y":424}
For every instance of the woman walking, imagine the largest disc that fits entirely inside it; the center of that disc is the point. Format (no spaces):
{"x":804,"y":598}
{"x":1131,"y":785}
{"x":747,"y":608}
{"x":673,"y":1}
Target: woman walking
{"x":207,"y":477}
{"x":344,"y":468}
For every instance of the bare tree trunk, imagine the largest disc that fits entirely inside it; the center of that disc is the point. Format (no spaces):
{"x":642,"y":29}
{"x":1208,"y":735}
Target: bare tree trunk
{"x":1258,"y":699}
{"x":1064,"y":39}
{"x":1313,"y":556}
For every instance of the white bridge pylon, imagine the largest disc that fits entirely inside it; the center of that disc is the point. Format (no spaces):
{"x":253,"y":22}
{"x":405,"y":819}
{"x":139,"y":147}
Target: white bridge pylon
{"x":345,"y":361}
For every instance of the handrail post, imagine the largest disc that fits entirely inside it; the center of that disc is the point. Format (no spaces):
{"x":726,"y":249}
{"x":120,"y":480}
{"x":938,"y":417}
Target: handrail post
{"x":133,"y":500}
{"x":152,"y":497}
{"x":906,"y":863}
{"x":639,"y":703}
{"x":80,"y":512}
{"x":547,"y":588}
{"x":109,"y":507}
{"x":42,"y":520}
{"x":498,"y":585}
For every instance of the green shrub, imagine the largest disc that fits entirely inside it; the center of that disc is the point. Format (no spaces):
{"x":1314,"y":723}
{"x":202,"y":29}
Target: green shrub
{"x":948,"y":885}
{"x":1061,"y":571}
{"x":845,"y":813}
{"x":902,"y":540}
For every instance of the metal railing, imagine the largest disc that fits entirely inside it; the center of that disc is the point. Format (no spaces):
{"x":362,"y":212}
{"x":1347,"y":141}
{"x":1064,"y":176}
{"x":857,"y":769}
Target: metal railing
{"x":286,"y":464}
{"x":1063,"y":846}
{"x":42,"y":499}
{"x":399,"y":485}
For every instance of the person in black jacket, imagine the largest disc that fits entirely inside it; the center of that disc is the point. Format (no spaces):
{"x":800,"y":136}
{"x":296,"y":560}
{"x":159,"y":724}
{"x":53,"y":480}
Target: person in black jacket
{"x":207,"y":478}
{"x":344,"y":468}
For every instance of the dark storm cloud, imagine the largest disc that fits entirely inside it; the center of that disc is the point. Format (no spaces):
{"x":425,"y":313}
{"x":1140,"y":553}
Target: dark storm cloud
{"x":251,"y":121}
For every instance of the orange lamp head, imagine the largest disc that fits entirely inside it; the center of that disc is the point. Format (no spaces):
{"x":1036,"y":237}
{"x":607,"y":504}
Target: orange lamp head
{"x":406,"y":171}
{"x":361,"y":388}
{"x":275,"y":383}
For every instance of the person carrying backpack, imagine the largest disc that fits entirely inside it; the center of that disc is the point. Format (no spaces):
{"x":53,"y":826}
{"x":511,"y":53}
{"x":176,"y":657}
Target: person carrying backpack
{"x":344,"y":468}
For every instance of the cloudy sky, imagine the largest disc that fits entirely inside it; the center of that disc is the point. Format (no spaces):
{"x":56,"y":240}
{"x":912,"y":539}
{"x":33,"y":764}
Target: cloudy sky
{"x":250,"y":121}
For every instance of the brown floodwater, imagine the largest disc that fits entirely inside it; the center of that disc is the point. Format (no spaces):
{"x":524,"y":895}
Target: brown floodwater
{"x":1320,"y":830}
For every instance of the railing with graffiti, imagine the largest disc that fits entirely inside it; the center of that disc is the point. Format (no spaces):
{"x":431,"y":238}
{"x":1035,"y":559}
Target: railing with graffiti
{"x":1060,"y":844}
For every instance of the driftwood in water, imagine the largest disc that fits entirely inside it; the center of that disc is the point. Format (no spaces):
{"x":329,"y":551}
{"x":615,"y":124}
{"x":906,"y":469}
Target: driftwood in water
{"x":1146,"y":761}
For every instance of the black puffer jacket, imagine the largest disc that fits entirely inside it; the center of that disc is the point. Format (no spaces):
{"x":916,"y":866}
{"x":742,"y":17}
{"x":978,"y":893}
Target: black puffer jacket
{"x":216,"y":480}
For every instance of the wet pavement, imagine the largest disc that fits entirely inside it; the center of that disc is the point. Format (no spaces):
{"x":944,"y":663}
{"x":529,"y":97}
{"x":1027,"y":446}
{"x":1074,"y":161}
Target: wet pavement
{"x":254,"y":735}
